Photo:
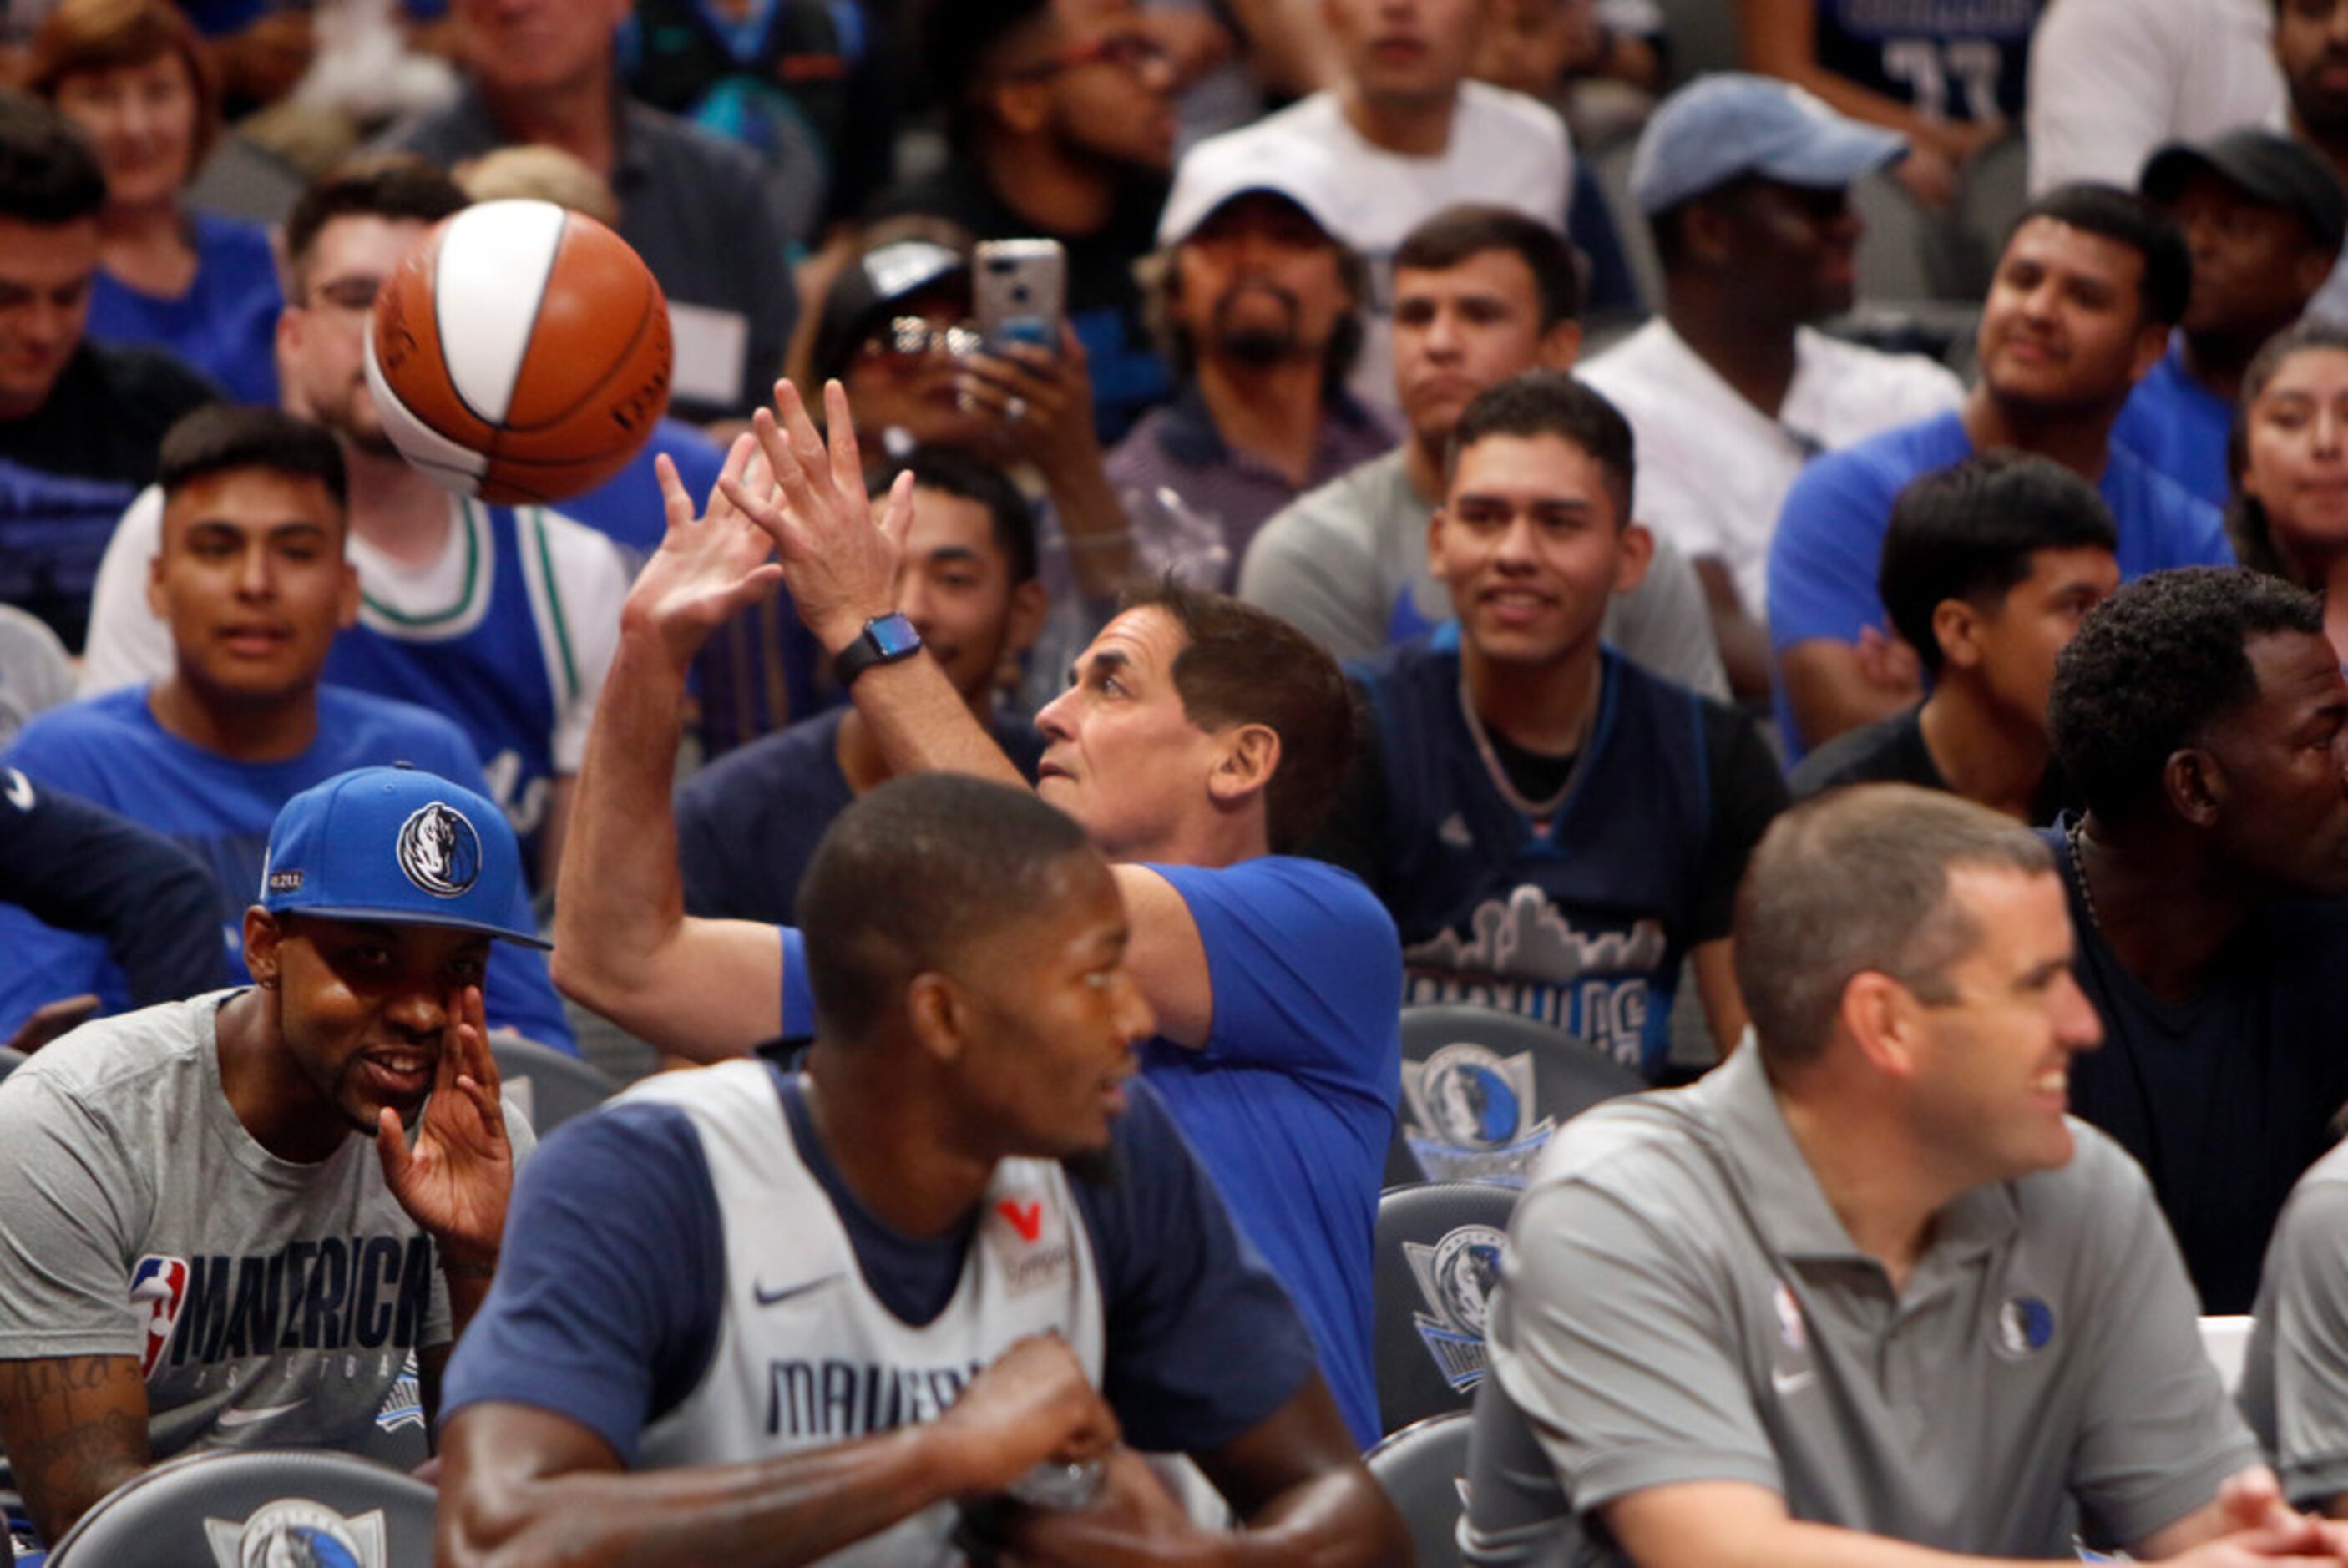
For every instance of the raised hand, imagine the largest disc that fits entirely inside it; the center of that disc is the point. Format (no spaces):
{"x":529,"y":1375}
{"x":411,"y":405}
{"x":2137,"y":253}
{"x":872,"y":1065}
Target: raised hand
{"x":710,"y":565}
{"x":839,"y":561}
{"x":455,"y":1181}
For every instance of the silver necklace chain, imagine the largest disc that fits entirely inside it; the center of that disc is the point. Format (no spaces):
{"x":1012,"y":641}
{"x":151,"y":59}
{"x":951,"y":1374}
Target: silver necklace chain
{"x":2074,"y":831}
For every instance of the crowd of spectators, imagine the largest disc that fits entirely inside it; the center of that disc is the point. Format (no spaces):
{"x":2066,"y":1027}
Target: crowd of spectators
{"x":1783,"y":544}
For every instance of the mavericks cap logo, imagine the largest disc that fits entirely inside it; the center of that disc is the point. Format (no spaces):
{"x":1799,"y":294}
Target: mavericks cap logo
{"x":294,"y":1532}
{"x":439,"y":851}
{"x":2026,"y":1325}
{"x":1456,"y":1276}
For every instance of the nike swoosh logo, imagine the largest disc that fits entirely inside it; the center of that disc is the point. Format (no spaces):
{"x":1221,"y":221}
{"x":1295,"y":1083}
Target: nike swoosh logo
{"x":20,"y":790}
{"x":246,"y":1417}
{"x":1789,"y":1383}
{"x":765,"y":1297}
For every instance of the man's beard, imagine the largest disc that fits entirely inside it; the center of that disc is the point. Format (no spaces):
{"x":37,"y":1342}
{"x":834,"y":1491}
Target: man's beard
{"x":1255,"y":344}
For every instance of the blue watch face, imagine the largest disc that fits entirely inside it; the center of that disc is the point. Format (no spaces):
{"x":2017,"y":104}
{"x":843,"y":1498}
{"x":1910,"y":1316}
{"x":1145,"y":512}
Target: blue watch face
{"x":893,"y":635}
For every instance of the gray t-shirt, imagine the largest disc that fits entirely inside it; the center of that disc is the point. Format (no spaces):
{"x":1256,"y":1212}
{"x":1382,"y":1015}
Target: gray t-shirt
{"x":1679,"y":1303}
{"x":271,"y":1304}
{"x":2295,"y":1372}
{"x":1347,"y":564}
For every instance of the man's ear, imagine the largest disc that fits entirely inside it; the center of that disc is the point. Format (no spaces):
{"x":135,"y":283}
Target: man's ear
{"x":1024,"y":107}
{"x":934,"y":1006}
{"x":158,"y":604}
{"x":1957,"y":627}
{"x":2308,"y":273}
{"x":1638,"y":546}
{"x":1882,"y":1018}
{"x":346,"y":598}
{"x":1250,"y":755}
{"x":2195,"y":785}
{"x":265,"y":937}
{"x":1435,"y":543}
{"x":1560,"y":345}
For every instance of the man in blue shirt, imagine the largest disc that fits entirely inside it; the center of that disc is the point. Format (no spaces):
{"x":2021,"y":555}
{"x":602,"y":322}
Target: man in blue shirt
{"x":1555,"y":831}
{"x":746,"y":825}
{"x":949,"y":1264}
{"x":255,"y":584}
{"x":2091,"y":281}
{"x":1198,"y":747}
{"x":2263,"y":216}
{"x":2203,"y":717}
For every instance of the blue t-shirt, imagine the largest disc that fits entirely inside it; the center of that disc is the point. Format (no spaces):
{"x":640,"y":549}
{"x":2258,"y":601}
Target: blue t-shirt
{"x":2226,"y":1098}
{"x":628,"y":507}
{"x":2179,"y":427}
{"x":1829,"y":541}
{"x":110,"y":749}
{"x":747,"y":824}
{"x":610,"y":1293}
{"x":1291,"y":1104}
{"x":225,"y":326}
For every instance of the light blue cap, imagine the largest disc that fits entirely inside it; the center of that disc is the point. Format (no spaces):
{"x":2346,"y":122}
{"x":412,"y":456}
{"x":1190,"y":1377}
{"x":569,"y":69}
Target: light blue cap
{"x":398,"y":845}
{"x":1720,"y":127}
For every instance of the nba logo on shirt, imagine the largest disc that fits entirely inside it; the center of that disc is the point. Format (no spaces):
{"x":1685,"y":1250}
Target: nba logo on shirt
{"x":159,"y":1285}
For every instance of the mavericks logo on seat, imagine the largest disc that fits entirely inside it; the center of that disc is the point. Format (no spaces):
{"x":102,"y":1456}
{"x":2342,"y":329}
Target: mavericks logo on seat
{"x":1456,"y":1276}
{"x":1471,"y":1116}
{"x":295,"y":1533}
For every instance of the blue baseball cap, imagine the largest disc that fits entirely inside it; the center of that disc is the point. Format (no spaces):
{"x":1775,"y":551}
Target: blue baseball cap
{"x":399,"y":845}
{"x":1720,"y":127}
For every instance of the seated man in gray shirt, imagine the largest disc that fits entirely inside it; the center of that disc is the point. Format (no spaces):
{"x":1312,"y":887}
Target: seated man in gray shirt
{"x":2295,"y":1373}
{"x":214,"y":1231}
{"x":1865,"y":1294}
{"x":1481,"y":294}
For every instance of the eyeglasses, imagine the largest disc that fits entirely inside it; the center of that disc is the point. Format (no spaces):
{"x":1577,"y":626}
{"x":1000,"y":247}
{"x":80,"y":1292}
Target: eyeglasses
{"x":1133,"y":52}
{"x":917,"y":337}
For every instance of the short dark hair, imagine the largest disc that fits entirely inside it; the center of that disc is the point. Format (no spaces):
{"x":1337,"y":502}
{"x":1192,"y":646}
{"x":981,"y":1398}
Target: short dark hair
{"x":1969,"y":533}
{"x":220,"y":436}
{"x":958,"y":473}
{"x":959,"y":41}
{"x":389,"y":185}
{"x":1461,"y":233}
{"x":2127,"y":218}
{"x":1552,"y":403}
{"x":49,"y":176}
{"x":909,"y":874}
{"x":2247,"y":524}
{"x":1241,"y":664}
{"x":2154,"y":666}
{"x":1856,"y":881}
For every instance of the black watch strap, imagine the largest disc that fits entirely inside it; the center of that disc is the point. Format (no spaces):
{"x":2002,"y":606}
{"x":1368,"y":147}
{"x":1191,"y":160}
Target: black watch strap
{"x":884,"y":640}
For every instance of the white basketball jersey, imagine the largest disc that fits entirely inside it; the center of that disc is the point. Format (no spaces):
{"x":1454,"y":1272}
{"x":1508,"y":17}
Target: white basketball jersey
{"x":808,"y":1357}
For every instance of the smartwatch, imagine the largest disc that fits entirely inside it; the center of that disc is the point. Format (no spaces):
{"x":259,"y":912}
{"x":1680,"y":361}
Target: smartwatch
{"x":885,"y":640}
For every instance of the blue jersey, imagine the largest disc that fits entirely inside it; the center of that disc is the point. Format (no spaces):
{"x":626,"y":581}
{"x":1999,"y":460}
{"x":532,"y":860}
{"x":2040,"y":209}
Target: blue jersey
{"x":1576,"y":910}
{"x":1824,"y":557}
{"x":1947,"y":59}
{"x":613,"y":1298}
{"x":499,"y":660}
{"x":225,"y":326}
{"x":2179,"y":427}
{"x":110,"y":749}
{"x":629,"y":510}
{"x":1290,"y":1103}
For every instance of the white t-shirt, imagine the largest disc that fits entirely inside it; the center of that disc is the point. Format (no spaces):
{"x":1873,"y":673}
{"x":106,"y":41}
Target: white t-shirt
{"x":1713,"y":469}
{"x":128,"y":645}
{"x":2112,"y":80}
{"x":1506,"y":150}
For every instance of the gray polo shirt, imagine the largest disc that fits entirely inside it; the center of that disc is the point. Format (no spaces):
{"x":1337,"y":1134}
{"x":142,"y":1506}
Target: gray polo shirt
{"x":1347,"y":564}
{"x":1680,"y":1304}
{"x":2295,"y":1373}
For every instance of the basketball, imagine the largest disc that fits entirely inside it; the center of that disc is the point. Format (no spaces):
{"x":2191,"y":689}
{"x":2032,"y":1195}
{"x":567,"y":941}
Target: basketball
{"x":521,"y":352}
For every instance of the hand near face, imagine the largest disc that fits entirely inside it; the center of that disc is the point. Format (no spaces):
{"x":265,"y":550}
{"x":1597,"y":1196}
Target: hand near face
{"x":1034,"y":1404}
{"x":456,"y":1179}
{"x":1135,"y":1523}
{"x":710,"y":565}
{"x":839,"y":563}
{"x":1039,"y":403}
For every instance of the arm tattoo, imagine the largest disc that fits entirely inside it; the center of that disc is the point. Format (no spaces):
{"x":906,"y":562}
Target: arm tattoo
{"x":75,"y":1427}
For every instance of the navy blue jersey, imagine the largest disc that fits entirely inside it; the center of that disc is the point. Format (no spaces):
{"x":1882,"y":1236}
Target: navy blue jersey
{"x":610,"y":1296}
{"x":1948,"y":59}
{"x":2228,"y":1097}
{"x":1575,"y":911}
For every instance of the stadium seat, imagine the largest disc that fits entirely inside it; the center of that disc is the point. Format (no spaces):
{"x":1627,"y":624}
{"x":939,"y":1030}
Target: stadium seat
{"x":1424,"y":1469}
{"x":1437,"y":1258}
{"x":1482,"y":1091}
{"x":550,"y":1086}
{"x":257,"y":1506}
{"x":10,"y":1060}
